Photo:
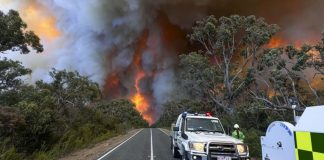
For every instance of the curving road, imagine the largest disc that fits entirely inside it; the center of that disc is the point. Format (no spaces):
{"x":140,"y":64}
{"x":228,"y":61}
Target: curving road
{"x":146,"y":144}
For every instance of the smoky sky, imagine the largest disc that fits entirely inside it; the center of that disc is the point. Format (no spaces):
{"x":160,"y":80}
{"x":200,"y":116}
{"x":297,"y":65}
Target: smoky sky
{"x":299,"y":19}
{"x":100,"y":38}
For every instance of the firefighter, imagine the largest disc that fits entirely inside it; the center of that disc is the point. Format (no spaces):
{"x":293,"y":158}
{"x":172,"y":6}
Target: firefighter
{"x":237,"y":133}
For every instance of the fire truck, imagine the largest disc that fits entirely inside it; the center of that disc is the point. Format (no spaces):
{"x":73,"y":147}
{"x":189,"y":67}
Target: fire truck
{"x":202,"y":137}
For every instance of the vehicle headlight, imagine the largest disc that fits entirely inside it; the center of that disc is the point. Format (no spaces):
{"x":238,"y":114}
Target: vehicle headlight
{"x":197,"y":146}
{"x":242,"y":149}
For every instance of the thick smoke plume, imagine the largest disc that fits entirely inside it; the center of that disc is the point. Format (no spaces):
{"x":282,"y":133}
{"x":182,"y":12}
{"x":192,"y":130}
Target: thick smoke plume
{"x":119,"y":42}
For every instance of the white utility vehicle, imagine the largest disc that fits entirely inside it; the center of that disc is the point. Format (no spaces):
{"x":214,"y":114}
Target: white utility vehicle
{"x":202,"y":137}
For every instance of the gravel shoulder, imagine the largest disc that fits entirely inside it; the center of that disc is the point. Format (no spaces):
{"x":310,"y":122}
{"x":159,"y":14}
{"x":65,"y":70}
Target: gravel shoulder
{"x":95,"y":151}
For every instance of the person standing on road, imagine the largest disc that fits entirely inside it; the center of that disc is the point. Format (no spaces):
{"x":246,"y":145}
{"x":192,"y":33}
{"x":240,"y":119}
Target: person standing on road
{"x":237,"y":133}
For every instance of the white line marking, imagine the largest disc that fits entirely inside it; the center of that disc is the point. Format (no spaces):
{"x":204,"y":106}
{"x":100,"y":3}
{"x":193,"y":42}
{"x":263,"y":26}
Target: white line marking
{"x":152,"y":158}
{"x":164,"y":132}
{"x":119,"y":145}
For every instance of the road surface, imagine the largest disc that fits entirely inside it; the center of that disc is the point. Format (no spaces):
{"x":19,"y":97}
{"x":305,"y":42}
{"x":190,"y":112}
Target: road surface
{"x":146,"y":144}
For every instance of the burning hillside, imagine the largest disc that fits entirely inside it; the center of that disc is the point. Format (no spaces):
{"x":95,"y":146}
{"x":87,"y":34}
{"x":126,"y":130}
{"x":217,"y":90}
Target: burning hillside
{"x":130,"y":47}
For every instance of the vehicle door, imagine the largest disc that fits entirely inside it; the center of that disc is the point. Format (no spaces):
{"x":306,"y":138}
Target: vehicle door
{"x":181,"y":132}
{"x":178,"y":133}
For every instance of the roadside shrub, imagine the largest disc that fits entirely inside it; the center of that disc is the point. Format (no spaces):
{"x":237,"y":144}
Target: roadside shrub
{"x":252,"y":139}
{"x":38,"y":129}
{"x":122,"y":111}
{"x":47,"y":120}
{"x":11,"y":153}
{"x":41,"y":156}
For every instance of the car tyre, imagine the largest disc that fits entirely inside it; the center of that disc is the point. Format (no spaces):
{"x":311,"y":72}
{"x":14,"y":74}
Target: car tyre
{"x":184,"y":156}
{"x":175,"y":151}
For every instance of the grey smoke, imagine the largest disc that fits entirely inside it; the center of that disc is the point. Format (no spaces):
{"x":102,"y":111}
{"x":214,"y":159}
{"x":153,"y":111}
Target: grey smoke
{"x":99,"y":36}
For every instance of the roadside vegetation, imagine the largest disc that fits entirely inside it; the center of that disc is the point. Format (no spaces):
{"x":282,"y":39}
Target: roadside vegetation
{"x":49,"y":119}
{"x":235,"y":74}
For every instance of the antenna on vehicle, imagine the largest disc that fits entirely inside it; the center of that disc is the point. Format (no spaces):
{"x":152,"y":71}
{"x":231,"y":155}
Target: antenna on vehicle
{"x":294,"y":103}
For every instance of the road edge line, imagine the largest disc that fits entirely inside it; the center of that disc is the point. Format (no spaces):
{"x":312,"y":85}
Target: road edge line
{"x":163,"y":132}
{"x":103,"y":156}
{"x":152,"y":158}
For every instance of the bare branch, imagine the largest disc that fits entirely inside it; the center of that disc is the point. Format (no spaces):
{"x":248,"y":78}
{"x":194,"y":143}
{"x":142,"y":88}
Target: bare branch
{"x":240,"y":71}
{"x":263,"y":99}
{"x":312,"y":90}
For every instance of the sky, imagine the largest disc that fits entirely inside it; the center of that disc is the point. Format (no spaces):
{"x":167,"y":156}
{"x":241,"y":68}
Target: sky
{"x":130,"y":47}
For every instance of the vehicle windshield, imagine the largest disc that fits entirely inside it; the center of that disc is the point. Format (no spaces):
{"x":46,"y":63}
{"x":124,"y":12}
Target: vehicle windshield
{"x":204,"y":125}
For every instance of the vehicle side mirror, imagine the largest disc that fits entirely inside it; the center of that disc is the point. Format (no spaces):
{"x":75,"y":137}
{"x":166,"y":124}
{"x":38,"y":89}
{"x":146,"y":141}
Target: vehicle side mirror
{"x":184,"y":136}
{"x":175,"y":128}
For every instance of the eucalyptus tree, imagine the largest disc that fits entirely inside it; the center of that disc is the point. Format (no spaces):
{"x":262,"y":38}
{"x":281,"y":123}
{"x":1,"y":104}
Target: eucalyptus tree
{"x":14,"y":35}
{"x":197,"y":76}
{"x":233,"y":43}
{"x":284,"y":71}
{"x":317,"y":60}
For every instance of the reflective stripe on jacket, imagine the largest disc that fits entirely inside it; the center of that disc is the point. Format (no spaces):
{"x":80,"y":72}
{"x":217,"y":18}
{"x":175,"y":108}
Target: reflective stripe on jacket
{"x":238,"y":135}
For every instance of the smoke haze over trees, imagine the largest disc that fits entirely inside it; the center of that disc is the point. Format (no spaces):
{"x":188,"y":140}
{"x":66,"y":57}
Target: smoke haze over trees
{"x":139,"y":50}
{"x":47,"y":120}
{"x":106,"y":37}
{"x":241,"y":79}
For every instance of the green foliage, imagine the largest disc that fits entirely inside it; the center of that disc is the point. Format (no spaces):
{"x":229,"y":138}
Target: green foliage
{"x":233,"y":31}
{"x":14,"y":36}
{"x":317,"y":61}
{"x":233,"y":42}
{"x":234,"y":75}
{"x":252,"y":139}
{"x":254,"y":114}
{"x":70,"y":88}
{"x":47,"y":120}
{"x":37,"y":131}
{"x":10,"y":71}
{"x":77,"y":138}
{"x":11,"y":121}
{"x":123,"y":111}
{"x":11,"y":153}
{"x":38,"y":118}
{"x":96,"y":124}
{"x":10,"y":80}
{"x":283,"y":71}
{"x":41,"y":156}
{"x":196,"y":75}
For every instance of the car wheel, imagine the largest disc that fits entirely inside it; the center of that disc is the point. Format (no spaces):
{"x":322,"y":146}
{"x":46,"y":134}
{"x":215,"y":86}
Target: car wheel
{"x":184,"y":156}
{"x":175,"y":151}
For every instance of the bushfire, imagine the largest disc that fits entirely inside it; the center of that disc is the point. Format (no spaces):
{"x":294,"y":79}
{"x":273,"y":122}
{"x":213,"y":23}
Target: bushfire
{"x":139,"y":99}
{"x":142,"y":105}
{"x":40,"y":21}
{"x":131,"y":47}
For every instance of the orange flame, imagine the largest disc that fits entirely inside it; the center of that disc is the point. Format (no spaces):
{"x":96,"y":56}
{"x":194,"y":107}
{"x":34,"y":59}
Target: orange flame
{"x":279,"y":41}
{"x":139,"y":99}
{"x":276,"y":42}
{"x":142,"y":105}
{"x":271,"y":93}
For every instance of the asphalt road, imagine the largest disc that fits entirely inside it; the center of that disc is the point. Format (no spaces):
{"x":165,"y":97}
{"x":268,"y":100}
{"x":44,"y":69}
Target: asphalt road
{"x":146,"y":144}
